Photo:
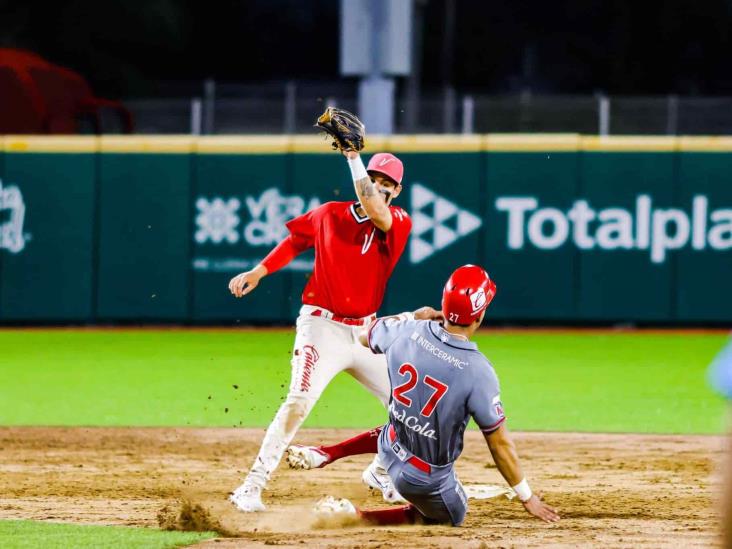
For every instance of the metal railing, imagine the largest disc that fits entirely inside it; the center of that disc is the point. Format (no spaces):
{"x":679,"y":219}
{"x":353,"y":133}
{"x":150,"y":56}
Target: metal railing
{"x":289,"y":107}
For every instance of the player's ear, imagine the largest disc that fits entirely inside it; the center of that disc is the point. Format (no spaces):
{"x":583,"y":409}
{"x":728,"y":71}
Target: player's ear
{"x":397,"y":191}
{"x":482,"y":316}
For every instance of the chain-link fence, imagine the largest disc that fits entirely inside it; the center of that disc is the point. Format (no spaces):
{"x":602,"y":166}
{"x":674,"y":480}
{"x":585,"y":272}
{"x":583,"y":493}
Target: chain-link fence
{"x":289,"y":107}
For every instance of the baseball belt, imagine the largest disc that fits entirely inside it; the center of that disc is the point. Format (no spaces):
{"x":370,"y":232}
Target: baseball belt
{"x":342,"y":319}
{"x":402,"y":453}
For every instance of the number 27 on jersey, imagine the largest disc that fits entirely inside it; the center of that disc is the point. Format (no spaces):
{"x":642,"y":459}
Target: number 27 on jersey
{"x":400,"y":392}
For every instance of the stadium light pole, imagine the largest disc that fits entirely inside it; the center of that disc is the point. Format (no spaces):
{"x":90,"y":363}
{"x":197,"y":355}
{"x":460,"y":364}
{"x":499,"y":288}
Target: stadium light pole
{"x":376,"y":45}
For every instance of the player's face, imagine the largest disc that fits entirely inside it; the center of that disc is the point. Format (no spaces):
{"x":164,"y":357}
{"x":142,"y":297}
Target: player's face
{"x":386,"y":187}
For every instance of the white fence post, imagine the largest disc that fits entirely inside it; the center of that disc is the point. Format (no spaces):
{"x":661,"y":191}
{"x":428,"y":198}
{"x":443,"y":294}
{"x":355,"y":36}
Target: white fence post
{"x":468,"y":114}
{"x":196,"y":115}
{"x":603,"y":104}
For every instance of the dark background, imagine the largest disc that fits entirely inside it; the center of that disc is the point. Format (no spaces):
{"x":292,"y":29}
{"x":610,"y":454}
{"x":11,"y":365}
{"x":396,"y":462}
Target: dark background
{"x":129,"y":48}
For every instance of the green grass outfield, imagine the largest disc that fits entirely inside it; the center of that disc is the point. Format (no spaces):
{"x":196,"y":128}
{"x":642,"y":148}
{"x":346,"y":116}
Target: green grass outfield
{"x":27,"y":534}
{"x":551,"y":381}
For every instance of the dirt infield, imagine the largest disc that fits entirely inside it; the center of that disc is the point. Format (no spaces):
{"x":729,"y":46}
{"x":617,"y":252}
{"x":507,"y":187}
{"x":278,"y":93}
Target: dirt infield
{"x":612,"y":490}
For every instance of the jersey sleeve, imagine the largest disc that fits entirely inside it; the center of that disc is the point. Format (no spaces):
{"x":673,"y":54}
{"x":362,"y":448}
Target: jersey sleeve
{"x":281,"y":255}
{"x":304,"y":227}
{"x":383,"y":332}
{"x":484,"y":403}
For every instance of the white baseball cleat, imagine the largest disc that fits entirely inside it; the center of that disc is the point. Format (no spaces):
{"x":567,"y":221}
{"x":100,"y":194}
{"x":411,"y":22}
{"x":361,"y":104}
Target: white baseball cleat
{"x":376,"y":477}
{"x":332,"y":506}
{"x":248,"y":498}
{"x":306,"y":457}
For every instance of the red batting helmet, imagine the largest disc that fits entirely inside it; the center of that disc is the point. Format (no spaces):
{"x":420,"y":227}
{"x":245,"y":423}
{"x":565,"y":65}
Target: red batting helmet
{"x":468,"y":292}
{"x":387,"y":164}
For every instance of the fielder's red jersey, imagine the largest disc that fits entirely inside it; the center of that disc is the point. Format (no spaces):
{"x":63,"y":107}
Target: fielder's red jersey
{"x":353,"y":259}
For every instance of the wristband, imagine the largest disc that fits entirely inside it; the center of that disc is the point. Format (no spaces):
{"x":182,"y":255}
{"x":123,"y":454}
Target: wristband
{"x":358,"y":170}
{"x":522,"y":490}
{"x":408,"y":315}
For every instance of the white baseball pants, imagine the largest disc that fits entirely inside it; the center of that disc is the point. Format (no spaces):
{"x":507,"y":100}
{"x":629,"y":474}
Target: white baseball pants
{"x":323,"y":348}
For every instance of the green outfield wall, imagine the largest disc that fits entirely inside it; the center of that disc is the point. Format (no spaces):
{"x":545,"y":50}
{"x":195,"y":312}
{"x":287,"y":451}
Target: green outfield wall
{"x":573,"y":228}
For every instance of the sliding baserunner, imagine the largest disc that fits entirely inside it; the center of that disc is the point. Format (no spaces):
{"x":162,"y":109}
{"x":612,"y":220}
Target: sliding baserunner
{"x":439,"y":379}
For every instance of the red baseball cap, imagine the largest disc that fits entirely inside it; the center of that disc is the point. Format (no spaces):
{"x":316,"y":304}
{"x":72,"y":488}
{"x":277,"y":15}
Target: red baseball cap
{"x":467,"y":293}
{"x":387,"y":164}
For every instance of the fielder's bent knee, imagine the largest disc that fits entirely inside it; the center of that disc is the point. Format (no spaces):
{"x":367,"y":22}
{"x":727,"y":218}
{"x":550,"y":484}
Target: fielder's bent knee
{"x":296,"y":408}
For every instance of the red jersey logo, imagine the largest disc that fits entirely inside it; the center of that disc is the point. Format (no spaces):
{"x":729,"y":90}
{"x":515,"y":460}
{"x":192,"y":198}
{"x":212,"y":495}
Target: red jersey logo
{"x":367,"y":240}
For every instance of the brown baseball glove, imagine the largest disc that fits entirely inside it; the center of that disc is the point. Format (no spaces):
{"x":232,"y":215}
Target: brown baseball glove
{"x":346,"y":130}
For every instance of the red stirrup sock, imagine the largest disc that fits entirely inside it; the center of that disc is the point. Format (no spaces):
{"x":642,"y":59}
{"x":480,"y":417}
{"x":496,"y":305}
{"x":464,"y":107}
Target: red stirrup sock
{"x":365,"y":443}
{"x":387,"y":517}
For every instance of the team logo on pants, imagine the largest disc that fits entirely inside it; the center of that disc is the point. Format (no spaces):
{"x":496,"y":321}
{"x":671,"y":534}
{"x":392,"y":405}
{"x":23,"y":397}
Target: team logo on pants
{"x":309,"y":357}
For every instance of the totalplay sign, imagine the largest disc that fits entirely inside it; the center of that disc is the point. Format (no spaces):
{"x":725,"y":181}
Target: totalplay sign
{"x":646,"y":227}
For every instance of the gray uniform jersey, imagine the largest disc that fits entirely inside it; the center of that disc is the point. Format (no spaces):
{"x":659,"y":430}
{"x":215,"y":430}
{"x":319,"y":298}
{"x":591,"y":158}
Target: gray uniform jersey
{"x":437,"y":383}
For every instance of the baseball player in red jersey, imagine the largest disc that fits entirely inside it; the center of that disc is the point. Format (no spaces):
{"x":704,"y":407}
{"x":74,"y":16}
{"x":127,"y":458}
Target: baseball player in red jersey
{"x":357,"y":244}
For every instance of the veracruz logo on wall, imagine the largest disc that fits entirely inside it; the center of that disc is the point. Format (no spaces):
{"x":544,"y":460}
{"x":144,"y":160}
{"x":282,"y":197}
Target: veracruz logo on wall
{"x":12,"y":215}
{"x":257,"y":221}
{"x":658,"y":230}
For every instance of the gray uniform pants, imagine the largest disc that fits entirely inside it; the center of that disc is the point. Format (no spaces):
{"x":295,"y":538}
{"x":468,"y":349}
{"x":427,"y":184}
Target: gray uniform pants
{"x":438,"y":495}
